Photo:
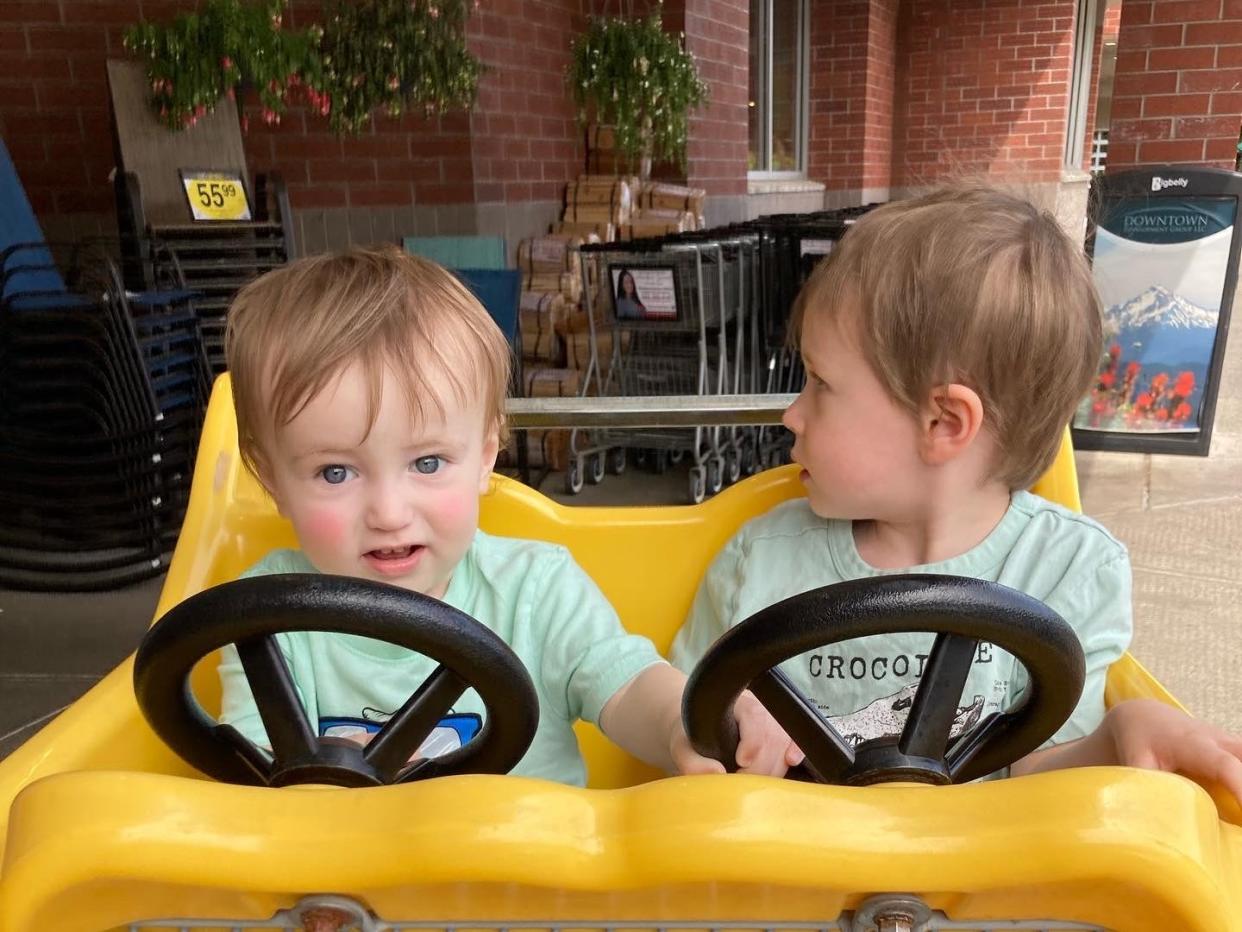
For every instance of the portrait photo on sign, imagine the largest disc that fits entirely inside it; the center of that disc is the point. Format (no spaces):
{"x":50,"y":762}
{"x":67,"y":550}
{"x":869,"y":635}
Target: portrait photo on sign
{"x":644,"y":293}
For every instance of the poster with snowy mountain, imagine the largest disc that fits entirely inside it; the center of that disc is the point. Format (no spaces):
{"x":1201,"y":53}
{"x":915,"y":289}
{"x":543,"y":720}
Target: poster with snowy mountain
{"x":1160,"y":265}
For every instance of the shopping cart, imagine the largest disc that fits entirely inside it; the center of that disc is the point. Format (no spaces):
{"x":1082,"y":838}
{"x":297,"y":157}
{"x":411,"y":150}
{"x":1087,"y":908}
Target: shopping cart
{"x":670,"y":315}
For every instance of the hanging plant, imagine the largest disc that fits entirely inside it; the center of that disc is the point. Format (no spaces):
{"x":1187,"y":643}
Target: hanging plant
{"x":634,"y":76}
{"x":391,"y":55}
{"x":395,"y":56}
{"x":226,"y":49}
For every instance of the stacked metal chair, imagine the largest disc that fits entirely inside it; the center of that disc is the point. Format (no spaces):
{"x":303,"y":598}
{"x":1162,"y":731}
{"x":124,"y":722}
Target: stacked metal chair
{"x":102,"y":392}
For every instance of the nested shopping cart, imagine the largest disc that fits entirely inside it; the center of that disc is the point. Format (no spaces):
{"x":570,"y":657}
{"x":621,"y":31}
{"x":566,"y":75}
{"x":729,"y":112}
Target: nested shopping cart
{"x":667,"y":317}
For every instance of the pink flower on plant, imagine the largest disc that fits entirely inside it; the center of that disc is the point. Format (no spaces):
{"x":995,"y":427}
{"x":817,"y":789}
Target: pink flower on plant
{"x":226,"y":63}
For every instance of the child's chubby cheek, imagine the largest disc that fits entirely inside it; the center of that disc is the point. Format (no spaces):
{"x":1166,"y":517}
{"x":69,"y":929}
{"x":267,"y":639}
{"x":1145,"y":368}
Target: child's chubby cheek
{"x":453,"y":509}
{"x":323,"y":526}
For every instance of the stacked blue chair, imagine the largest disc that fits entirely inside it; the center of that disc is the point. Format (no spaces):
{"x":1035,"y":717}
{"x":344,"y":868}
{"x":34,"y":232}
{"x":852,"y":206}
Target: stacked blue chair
{"x":102,"y":392}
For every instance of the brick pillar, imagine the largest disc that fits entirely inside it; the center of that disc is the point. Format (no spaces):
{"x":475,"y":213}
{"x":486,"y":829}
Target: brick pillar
{"x":1177,"y":96}
{"x":852,"y":46}
{"x":718,"y":35}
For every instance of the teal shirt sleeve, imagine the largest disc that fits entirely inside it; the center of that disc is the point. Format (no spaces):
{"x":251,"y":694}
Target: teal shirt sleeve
{"x":712,"y":611}
{"x":237,"y":705}
{"x":1098,"y":606}
{"x":587,"y":655}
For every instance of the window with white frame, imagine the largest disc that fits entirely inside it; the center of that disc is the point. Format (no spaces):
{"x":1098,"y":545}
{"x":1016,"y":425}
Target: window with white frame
{"x":778,"y":68}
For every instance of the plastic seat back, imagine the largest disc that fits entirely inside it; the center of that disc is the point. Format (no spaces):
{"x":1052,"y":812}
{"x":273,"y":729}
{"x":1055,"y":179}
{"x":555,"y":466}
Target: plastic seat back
{"x":459,"y":252}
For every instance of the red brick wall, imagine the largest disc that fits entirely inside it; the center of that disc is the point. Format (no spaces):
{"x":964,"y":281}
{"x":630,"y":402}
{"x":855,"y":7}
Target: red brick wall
{"x":983,"y":89}
{"x":838,"y":92}
{"x":520,"y":144}
{"x":852,"y":45}
{"x":526,"y":142}
{"x":1178,"y":91}
{"x":718,"y":35}
{"x":53,"y":100}
{"x":879,"y":92}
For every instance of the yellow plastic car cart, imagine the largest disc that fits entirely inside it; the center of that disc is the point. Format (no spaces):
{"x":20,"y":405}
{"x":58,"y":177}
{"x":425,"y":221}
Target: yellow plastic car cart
{"x":102,"y":827}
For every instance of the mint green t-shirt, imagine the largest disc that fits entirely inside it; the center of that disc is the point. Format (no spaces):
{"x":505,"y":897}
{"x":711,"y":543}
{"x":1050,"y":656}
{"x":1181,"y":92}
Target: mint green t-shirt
{"x":864,"y":687}
{"x":532,"y":594}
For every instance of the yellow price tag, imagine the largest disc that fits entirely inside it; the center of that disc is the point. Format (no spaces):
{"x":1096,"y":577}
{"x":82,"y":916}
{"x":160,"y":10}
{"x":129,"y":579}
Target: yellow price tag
{"x":216,"y":195}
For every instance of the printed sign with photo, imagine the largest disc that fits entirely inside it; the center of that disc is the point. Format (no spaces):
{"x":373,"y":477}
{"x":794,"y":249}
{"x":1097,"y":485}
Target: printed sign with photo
{"x":1165,"y":265}
{"x":644,"y":293}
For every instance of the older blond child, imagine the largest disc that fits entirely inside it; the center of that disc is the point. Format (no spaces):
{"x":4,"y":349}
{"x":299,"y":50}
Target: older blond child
{"x":369,"y":390}
{"x":947,"y":342}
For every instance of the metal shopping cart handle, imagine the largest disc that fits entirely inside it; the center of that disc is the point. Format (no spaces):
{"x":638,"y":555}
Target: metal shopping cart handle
{"x":648,"y":411}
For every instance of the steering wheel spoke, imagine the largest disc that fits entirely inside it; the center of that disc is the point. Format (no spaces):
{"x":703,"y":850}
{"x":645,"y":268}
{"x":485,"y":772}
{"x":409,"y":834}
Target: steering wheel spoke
{"x":827,"y":753}
{"x":969,"y":749}
{"x":930,"y":722}
{"x":280,"y":707}
{"x":259,"y":761}
{"x":389,"y":751}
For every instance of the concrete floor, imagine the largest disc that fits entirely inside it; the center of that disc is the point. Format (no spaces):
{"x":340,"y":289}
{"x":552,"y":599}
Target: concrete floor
{"x":1180,"y":516}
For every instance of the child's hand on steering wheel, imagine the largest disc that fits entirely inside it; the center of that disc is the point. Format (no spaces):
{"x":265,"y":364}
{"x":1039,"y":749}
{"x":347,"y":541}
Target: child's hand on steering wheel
{"x":764,"y":747}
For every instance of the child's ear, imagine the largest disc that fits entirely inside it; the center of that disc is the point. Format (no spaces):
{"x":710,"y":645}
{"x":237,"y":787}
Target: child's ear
{"x":491,"y":449}
{"x":951,"y":420}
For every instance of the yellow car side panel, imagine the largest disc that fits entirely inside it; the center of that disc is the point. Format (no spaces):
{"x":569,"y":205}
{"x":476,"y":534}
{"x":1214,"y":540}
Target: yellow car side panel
{"x":1119,"y":848}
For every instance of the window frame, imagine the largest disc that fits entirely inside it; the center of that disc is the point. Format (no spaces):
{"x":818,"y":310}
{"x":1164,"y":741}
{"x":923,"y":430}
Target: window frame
{"x":764,"y":95}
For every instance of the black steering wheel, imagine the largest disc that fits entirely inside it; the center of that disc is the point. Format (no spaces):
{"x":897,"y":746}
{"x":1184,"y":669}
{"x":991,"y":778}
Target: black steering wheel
{"x":960,"y":611}
{"x":249,"y":612}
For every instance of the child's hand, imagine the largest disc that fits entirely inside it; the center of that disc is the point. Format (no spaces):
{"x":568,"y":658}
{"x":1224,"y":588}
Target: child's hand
{"x":689,"y":762}
{"x":1150,"y":734}
{"x":764,"y":747}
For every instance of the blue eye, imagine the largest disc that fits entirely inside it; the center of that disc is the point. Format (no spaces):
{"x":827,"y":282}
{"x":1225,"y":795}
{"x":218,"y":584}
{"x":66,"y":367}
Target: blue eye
{"x":427,"y":464}
{"x":334,"y":475}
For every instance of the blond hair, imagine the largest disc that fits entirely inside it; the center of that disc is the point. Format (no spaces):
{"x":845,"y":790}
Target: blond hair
{"x":970,"y":285}
{"x":296,"y":328}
